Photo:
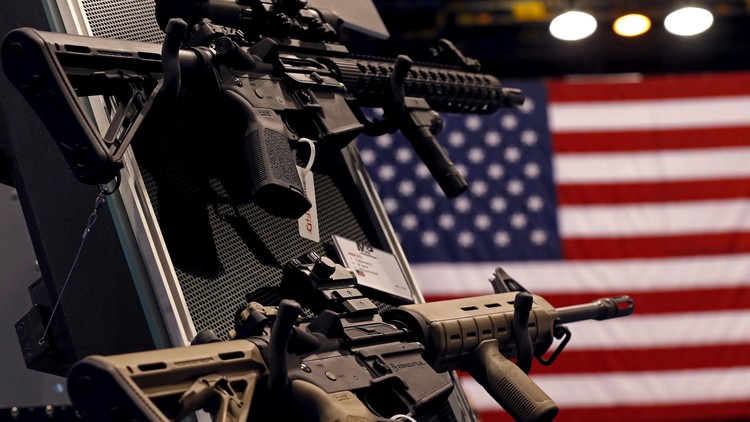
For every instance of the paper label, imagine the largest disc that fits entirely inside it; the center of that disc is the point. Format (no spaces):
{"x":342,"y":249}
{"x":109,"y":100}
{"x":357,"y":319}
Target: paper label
{"x":374,"y":268}
{"x":308,"y":223}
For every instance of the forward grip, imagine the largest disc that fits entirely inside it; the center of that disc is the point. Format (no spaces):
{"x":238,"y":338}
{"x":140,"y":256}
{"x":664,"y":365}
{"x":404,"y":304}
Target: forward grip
{"x":434,"y":157}
{"x":510,"y":386}
{"x":276,"y":185}
{"x":418,"y":126}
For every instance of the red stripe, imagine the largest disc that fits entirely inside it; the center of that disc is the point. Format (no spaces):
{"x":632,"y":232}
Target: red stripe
{"x":650,"y":140}
{"x":652,"y":359}
{"x":644,"y":360}
{"x":657,"y":302}
{"x":674,"y":191}
{"x":656,"y":246}
{"x":682,"y":412}
{"x":653,"y":87}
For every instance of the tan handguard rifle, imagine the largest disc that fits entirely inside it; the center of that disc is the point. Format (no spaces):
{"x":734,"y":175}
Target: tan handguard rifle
{"x":348,"y":364}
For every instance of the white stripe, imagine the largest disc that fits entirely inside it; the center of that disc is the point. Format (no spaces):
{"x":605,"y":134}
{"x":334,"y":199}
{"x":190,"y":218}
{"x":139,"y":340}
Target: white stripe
{"x":669,"y":165}
{"x":641,"y":389}
{"x":662,"y":330}
{"x":627,"y":276}
{"x":680,"y":218}
{"x":649,"y":114}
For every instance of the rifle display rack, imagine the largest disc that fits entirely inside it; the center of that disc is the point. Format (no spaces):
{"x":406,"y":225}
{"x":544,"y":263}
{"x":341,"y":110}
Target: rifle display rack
{"x":181,"y":253}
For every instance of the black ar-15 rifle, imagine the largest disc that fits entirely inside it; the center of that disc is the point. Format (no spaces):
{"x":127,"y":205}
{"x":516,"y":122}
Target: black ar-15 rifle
{"x":277,"y":66}
{"x":349,"y":363}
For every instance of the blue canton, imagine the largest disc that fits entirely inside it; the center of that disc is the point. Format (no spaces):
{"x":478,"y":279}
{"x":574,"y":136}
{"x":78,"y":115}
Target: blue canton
{"x":508,"y":212}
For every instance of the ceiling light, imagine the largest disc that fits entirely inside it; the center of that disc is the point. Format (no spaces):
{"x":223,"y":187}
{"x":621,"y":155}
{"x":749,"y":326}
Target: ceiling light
{"x":571,"y":26}
{"x":631,"y":25}
{"x":688,"y":21}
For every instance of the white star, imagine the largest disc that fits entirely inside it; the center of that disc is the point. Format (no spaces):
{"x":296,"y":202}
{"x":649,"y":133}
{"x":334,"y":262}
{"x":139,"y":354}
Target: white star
{"x":515,"y":187}
{"x":492,"y":138}
{"x":482,"y":221}
{"x":406,"y":188}
{"x":421,"y":171}
{"x":429,"y":238}
{"x":498,"y":204}
{"x":527,"y":106}
{"x":465,"y":239}
{"x":409,"y":222}
{"x":456,"y":139}
{"x":473,"y":123}
{"x":446,"y":221}
{"x":390,"y":204}
{"x":368,"y":156}
{"x":512,"y":154}
{"x":518,"y":220}
{"x":538,"y":237}
{"x":501,"y":239}
{"x":509,"y":121}
{"x":403,"y":155}
{"x":535,"y":203}
{"x":384,"y":141}
{"x":386,"y":172}
{"x":426,"y":204}
{"x":478,"y":188}
{"x":462,"y":204}
{"x":529,"y":137}
{"x":495,"y":171}
{"x":531,"y":170}
{"x":475,"y":155}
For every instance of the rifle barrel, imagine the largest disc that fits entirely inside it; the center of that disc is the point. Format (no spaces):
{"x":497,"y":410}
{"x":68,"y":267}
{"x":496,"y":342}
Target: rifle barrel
{"x":600,"y":309}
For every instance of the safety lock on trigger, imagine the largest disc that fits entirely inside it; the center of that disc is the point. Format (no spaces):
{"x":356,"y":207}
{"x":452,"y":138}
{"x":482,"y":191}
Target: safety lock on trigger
{"x":561,"y":332}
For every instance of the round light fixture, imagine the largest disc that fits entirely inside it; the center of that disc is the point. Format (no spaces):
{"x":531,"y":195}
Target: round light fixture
{"x":572,"y":26}
{"x":688,"y":21}
{"x":631,"y":25}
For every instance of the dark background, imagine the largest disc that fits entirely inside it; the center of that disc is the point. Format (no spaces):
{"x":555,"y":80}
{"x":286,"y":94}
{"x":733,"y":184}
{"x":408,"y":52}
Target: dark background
{"x":511,"y":43}
{"x":18,"y":269}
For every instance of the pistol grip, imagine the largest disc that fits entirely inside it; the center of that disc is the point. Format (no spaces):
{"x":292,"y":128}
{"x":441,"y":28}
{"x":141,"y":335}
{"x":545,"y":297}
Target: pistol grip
{"x":276,"y":185}
{"x":510,"y":386}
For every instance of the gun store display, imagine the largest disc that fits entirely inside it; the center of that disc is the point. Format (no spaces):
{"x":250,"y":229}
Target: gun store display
{"x":282,"y":99}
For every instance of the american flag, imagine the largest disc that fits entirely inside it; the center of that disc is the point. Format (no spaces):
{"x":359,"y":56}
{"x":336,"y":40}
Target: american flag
{"x":598,"y":187}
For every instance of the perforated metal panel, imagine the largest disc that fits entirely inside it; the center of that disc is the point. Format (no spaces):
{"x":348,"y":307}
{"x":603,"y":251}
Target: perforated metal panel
{"x":123,"y":19}
{"x":224,"y":248}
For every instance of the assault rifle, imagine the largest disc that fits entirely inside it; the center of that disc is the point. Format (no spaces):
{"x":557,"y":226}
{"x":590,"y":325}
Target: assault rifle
{"x":347,"y":363}
{"x":276,"y":67}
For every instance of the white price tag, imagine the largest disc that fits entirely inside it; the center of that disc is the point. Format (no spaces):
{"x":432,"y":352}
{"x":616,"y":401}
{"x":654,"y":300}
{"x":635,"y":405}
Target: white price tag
{"x":308,"y":223}
{"x":374,"y":268}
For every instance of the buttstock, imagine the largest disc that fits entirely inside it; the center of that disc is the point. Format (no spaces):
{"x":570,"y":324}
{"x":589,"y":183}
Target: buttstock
{"x":51,"y":70}
{"x":152,"y":385}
